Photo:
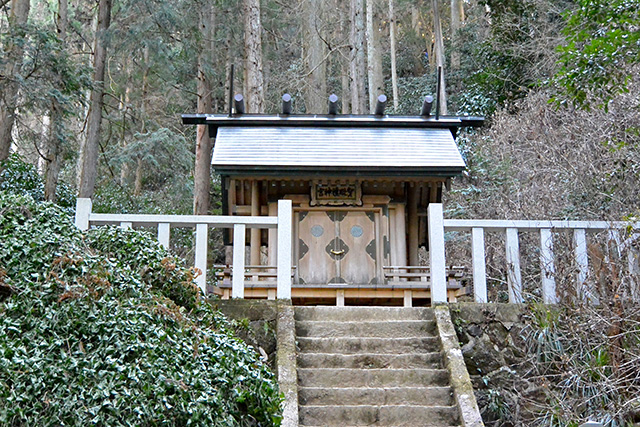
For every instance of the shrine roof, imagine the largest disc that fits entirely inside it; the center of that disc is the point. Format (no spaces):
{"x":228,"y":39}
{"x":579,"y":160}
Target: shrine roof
{"x":341,"y":150}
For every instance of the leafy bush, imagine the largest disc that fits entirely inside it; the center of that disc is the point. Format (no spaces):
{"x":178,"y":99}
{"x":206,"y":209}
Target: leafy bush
{"x":22,"y":178}
{"x":602,"y":42}
{"x":106,"y":328}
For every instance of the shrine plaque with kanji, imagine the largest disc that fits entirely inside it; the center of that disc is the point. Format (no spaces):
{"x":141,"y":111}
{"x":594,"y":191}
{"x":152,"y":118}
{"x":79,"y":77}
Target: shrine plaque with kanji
{"x":330,"y":194}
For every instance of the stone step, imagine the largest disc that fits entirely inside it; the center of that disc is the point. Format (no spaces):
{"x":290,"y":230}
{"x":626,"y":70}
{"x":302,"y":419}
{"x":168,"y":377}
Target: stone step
{"x":440,"y":396}
{"x":347,"y":345}
{"x":340,"y":377}
{"x":363,"y":313}
{"x":431,"y":360}
{"x":380,"y":329}
{"x":395,"y":415}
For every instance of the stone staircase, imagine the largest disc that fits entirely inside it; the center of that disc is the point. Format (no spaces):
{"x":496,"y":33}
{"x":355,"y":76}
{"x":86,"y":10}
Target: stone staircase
{"x":380,"y":366}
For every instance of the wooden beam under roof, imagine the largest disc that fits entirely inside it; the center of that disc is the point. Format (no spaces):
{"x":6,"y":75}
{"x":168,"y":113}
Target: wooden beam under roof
{"x":318,"y":120}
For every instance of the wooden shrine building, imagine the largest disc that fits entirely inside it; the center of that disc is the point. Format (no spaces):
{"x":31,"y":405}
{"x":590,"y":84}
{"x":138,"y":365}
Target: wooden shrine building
{"x":360,"y":187}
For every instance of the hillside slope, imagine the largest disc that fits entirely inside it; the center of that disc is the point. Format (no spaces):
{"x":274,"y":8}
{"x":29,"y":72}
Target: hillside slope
{"x":106,"y":328}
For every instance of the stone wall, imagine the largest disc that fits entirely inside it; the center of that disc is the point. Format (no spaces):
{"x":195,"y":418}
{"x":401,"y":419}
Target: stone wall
{"x":492,"y":340}
{"x":255,"y":323}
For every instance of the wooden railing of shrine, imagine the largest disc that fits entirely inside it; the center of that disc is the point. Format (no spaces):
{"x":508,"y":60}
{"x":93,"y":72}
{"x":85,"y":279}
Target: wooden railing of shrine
{"x":511,"y":229}
{"x":437,"y":276}
{"x":202,"y":223}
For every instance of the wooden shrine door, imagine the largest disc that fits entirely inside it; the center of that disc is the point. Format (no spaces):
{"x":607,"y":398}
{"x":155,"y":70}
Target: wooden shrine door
{"x":338,"y":246}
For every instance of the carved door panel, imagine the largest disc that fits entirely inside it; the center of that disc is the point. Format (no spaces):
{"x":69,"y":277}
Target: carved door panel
{"x":316,"y":232}
{"x":357,"y":232}
{"x":337,"y":247}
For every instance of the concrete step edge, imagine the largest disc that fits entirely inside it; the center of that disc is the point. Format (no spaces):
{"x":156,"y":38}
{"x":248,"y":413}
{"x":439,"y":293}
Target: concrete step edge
{"x":369,"y":313}
{"x":444,"y":407}
{"x":394,"y":355}
{"x":370,"y":360}
{"x":369,"y":322}
{"x":412,"y":338}
{"x":373,"y":369}
{"x":393,"y":388}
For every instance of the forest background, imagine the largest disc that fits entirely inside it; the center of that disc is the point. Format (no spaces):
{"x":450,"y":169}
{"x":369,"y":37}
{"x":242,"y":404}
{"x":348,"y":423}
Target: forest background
{"x":92,"y":91}
{"x":91,"y":94}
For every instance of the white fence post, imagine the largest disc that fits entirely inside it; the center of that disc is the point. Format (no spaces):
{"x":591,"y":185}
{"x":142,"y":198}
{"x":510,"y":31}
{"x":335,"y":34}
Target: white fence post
{"x":514,"y":277}
{"x":83,"y":210}
{"x":237,"y":281}
{"x":479,"y":265}
{"x":582,"y":262}
{"x":285,"y":228}
{"x":547,"y":267}
{"x":201,"y":255}
{"x":164,"y":231}
{"x":436,"y":253}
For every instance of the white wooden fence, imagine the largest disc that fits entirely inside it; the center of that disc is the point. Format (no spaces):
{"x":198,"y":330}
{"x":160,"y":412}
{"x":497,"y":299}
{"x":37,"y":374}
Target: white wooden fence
{"x":438,"y":225}
{"x":437,"y":228}
{"x":86,"y":218}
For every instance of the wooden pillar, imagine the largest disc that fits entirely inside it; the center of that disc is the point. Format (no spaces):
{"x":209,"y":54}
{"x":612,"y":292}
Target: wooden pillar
{"x":433,"y":192}
{"x":514,"y":277}
{"x":399,"y":253}
{"x":255,"y":232}
{"x":272,"y":242}
{"x":164,"y":232}
{"x":83,"y":211}
{"x":436,"y":254}
{"x":479,"y":265}
{"x":240,"y":192}
{"x":547,"y":267}
{"x":340,"y":297}
{"x":232,"y":197}
{"x":237,"y":280}
{"x":232,"y":201}
{"x":285,"y":231}
{"x":202,"y":234}
{"x":412,"y":206}
{"x":582,"y":264}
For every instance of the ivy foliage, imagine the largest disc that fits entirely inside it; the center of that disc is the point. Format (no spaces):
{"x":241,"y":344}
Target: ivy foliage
{"x":19,"y":177}
{"x":106,"y":328}
{"x":603,"y":38}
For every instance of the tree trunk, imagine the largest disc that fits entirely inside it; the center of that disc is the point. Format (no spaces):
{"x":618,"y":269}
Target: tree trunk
{"x":346,"y":94}
{"x":424,"y":32}
{"x":89,"y":157}
{"x":53,"y":152}
{"x":439,"y":54}
{"x":253,"y":77}
{"x":374,"y":59}
{"x":55,"y":140}
{"x":392,"y":40}
{"x":124,"y":169}
{"x":358,"y":73}
{"x":342,"y":9}
{"x":137,"y":185}
{"x":11,"y":67}
{"x":202,"y":173}
{"x":457,"y":18}
{"x":144,"y":101}
{"x":316,"y":81}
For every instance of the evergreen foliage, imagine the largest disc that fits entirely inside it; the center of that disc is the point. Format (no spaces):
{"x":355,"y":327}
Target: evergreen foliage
{"x":106,"y":328}
{"x":603,"y":39}
{"x":19,"y":177}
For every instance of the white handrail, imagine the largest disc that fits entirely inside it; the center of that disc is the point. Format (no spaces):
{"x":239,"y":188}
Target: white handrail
{"x":546,"y":228}
{"x":283,"y":223}
{"x":527,"y":225}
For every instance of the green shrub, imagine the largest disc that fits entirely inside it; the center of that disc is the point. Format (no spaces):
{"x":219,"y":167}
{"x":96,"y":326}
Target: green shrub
{"x":106,"y":328}
{"x":22,"y":178}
